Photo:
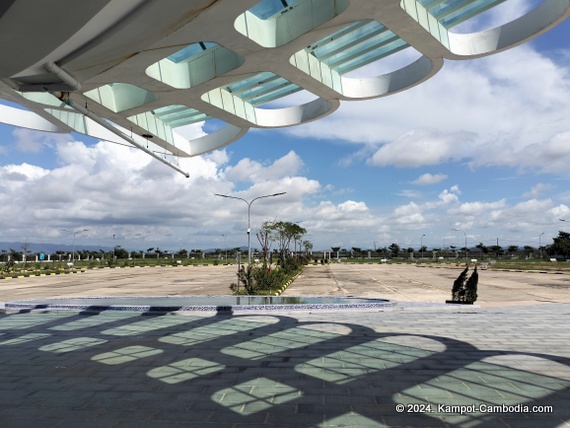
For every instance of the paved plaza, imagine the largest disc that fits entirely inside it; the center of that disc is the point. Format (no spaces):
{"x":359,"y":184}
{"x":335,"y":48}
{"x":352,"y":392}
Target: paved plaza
{"x":504,"y":362}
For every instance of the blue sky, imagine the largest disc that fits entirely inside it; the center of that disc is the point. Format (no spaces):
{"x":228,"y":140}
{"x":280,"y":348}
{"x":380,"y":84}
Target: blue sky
{"x":483,"y":147}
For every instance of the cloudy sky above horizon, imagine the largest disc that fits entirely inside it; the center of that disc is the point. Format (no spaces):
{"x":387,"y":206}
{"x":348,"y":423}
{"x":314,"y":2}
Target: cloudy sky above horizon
{"x":483,"y":147}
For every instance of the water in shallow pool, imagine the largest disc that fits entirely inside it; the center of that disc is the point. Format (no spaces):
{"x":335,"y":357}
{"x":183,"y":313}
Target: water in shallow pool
{"x":200,"y":301}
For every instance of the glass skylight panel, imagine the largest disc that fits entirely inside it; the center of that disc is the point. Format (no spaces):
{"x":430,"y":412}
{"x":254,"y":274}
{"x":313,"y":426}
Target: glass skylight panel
{"x":453,"y":12}
{"x":431,"y":3}
{"x":251,"y":82}
{"x":179,"y":115}
{"x":336,"y":41}
{"x":274,"y":94}
{"x":356,"y":45}
{"x":369,"y":57}
{"x":469,"y":11}
{"x":265,"y":9}
{"x":262,"y":88}
{"x":190,"y":51}
{"x":379,"y":45}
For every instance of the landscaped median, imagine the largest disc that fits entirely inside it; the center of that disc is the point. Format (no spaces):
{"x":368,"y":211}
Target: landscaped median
{"x":48,"y":270}
{"x":264,"y":281}
{"x":267,"y":280}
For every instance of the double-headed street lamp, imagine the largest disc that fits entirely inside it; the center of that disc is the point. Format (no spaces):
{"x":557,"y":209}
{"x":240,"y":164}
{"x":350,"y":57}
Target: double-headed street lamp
{"x":74,"y":235}
{"x":465,"y":235}
{"x":249,"y":217}
{"x":422,"y":245}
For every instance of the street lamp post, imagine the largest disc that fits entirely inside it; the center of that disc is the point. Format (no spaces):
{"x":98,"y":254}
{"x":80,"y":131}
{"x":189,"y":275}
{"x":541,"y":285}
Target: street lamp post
{"x":465,"y":235}
{"x":226,"y":246}
{"x":249,"y":203}
{"x":540,"y":245}
{"x":73,"y":246}
{"x":422,"y":245}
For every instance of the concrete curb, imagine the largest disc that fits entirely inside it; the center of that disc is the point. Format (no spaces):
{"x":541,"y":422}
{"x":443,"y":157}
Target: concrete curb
{"x":288,"y":283}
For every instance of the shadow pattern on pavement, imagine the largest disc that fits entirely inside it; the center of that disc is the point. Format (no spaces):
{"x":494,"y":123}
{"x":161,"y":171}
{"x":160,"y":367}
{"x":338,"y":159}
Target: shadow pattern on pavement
{"x":127,"y":369}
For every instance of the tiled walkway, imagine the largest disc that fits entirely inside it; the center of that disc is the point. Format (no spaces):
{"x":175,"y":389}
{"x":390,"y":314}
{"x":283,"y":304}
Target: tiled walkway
{"x":301,"y":369}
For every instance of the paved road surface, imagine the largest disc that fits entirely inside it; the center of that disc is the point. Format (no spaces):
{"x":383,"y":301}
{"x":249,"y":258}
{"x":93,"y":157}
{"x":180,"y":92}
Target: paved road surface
{"x":317,"y":369}
{"x":426,"y":284}
{"x":396,"y":282}
{"x":155,"y":281}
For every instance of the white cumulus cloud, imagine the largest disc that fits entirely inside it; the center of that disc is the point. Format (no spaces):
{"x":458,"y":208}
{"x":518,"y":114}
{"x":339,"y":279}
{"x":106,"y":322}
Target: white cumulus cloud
{"x":428,"y":179}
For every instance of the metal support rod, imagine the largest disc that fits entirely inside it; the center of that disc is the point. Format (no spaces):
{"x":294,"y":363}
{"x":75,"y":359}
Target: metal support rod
{"x":53,"y":68}
{"x":62,"y":92}
{"x":70,"y":84}
{"x":64,"y":97}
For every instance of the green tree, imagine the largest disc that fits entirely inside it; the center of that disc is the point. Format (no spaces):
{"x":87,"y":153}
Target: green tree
{"x":465,"y":290}
{"x":458,"y":290}
{"x":284,"y":233}
{"x":121,"y":253}
{"x":394,"y":249}
{"x":382,"y":252}
{"x":497,"y":250}
{"x":484,"y":249}
{"x":264,"y":238}
{"x":512,"y":249}
{"x":471,"y":287}
{"x":15,"y":255}
{"x":181,"y":253}
{"x":560,"y":246}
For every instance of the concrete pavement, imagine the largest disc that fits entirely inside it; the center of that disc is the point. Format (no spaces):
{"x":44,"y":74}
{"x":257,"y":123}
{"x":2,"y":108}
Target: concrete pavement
{"x":412,"y":283}
{"x":497,"y":365}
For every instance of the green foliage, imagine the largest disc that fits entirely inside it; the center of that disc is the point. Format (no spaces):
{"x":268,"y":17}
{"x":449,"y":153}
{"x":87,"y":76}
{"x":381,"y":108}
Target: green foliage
{"x":8,"y":266}
{"x":268,"y":280}
{"x":262,"y":280}
{"x":484,"y":249}
{"x":244,"y":279}
{"x":120,"y":253}
{"x":560,"y":246}
{"x":284,"y":233}
{"x":394,"y":249}
{"x":497,"y":250}
{"x":292,"y":264}
{"x":465,"y":290}
{"x":471,"y":287}
{"x":457,"y":291}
